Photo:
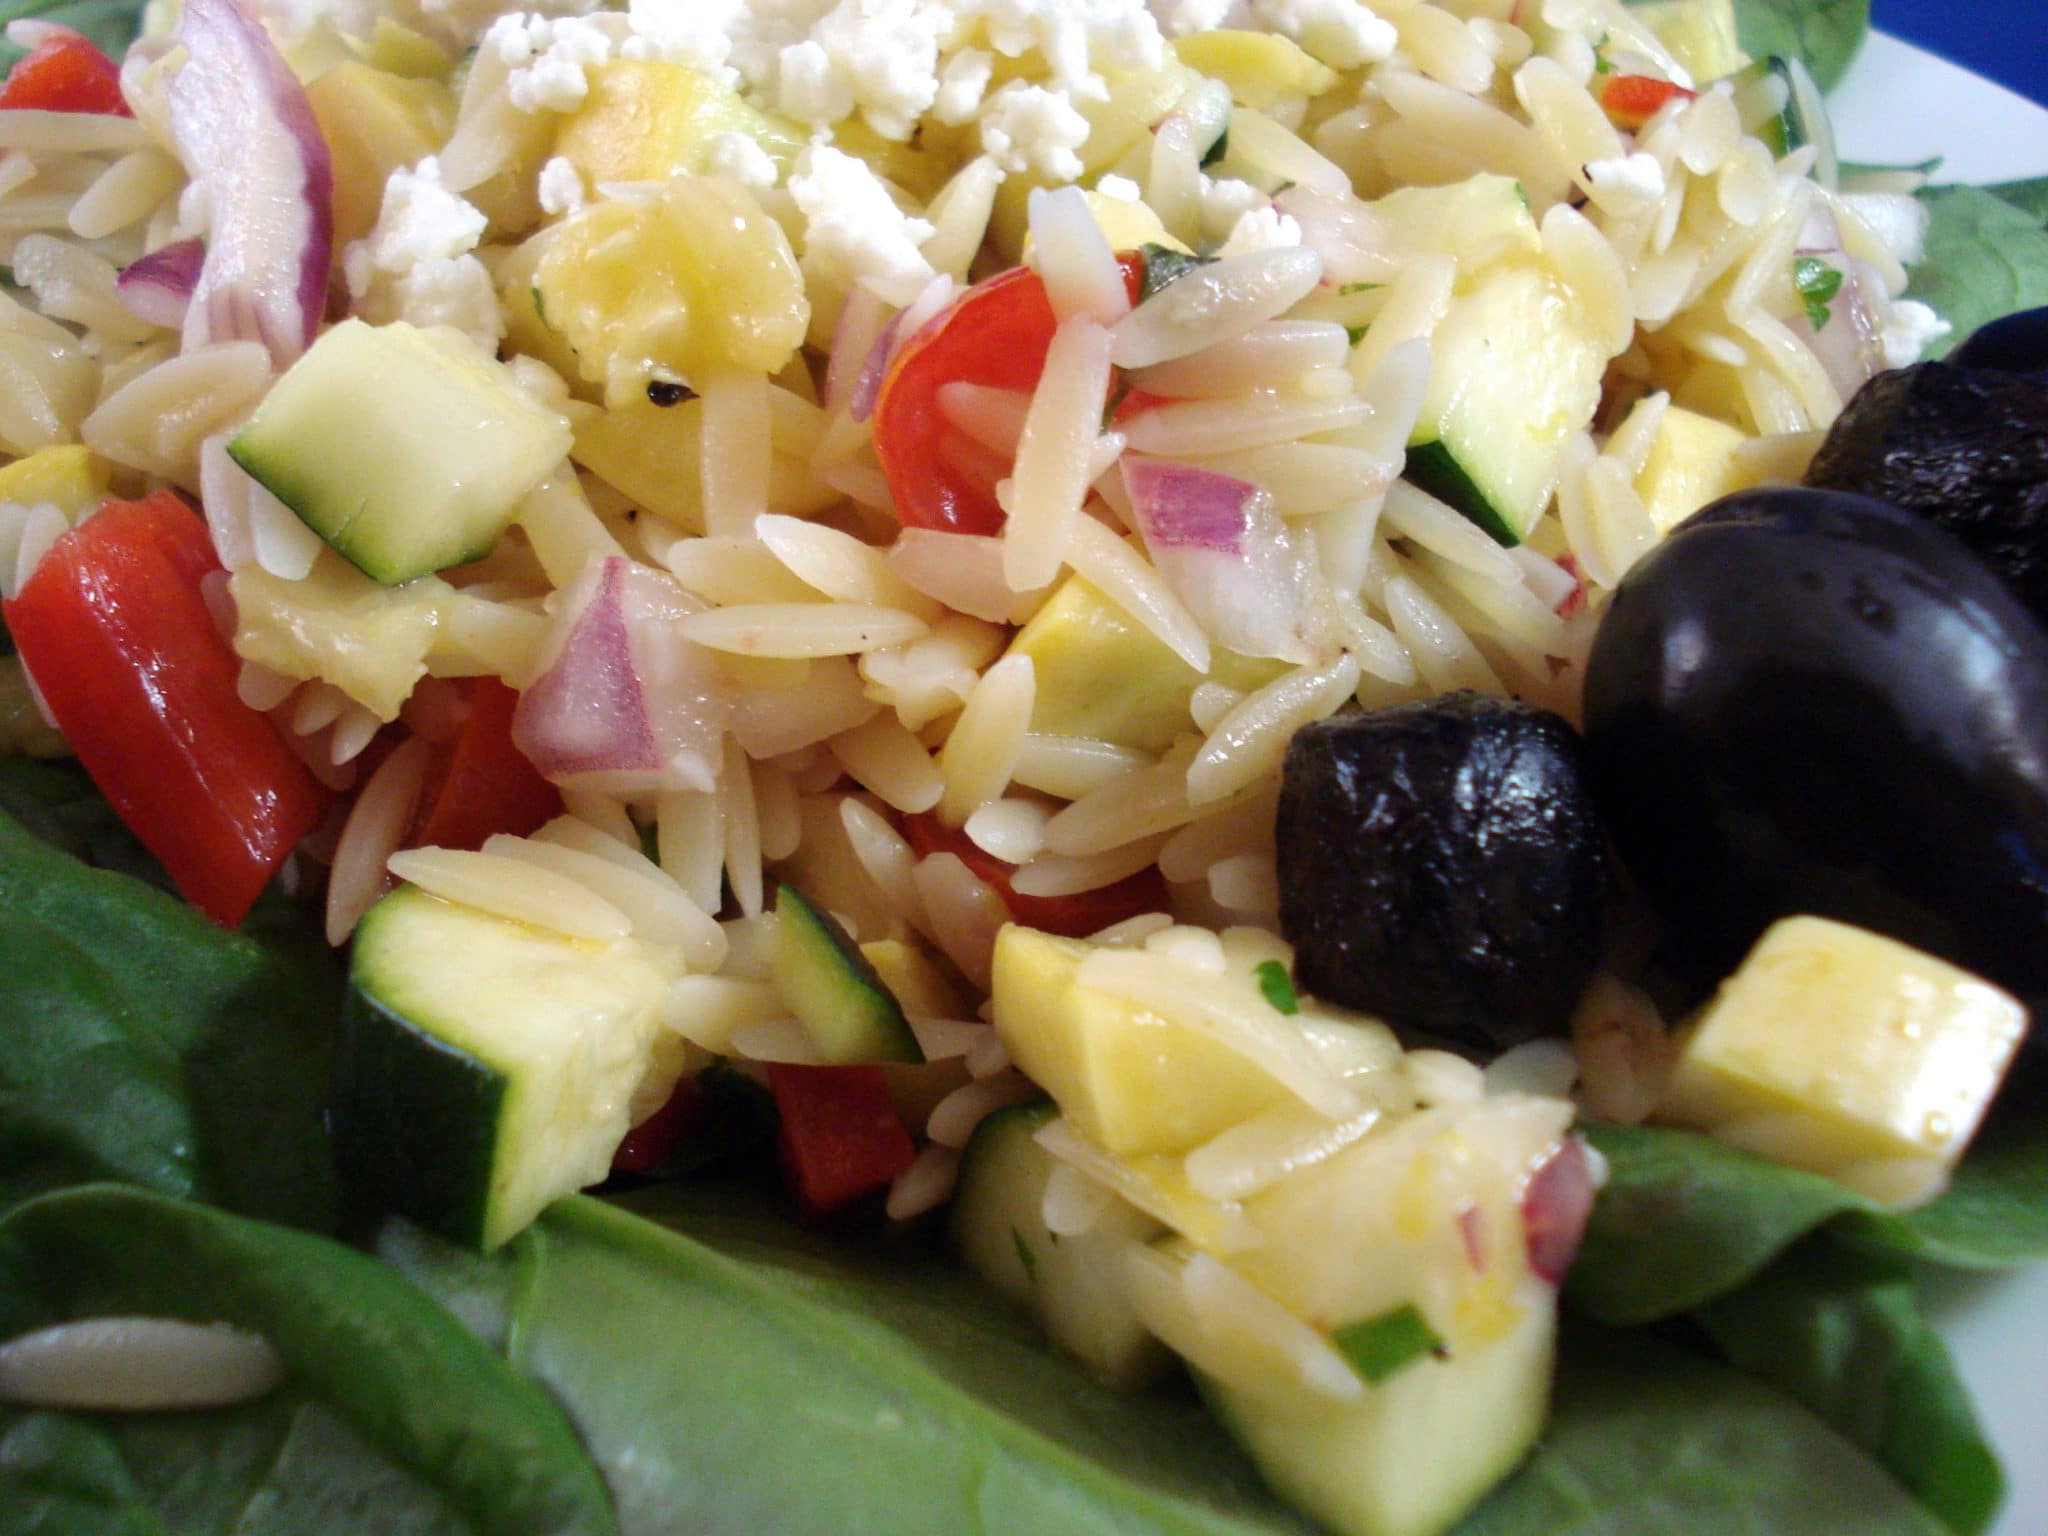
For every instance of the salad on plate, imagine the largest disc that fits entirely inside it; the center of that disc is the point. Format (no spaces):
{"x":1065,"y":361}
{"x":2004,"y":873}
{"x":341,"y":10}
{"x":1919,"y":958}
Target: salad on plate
{"x":1224,"y":765}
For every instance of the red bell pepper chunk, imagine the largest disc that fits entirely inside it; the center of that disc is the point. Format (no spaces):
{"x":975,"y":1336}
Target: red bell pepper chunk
{"x":997,"y":334}
{"x":1630,"y":101}
{"x":649,"y":1144}
{"x":840,"y":1138}
{"x":481,"y":783}
{"x":65,"y":74}
{"x":1074,"y":917}
{"x":114,"y":630}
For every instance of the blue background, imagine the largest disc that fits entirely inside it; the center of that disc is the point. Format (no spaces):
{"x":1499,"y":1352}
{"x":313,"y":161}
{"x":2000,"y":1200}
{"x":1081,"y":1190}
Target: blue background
{"x":2004,"y":40}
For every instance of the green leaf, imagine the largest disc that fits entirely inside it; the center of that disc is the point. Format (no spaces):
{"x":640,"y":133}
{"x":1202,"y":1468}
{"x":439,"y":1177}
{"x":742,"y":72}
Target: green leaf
{"x":1841,"y":1331}
{"x":1817,"y":284}
{"x":1987,"y":252}
{"x":112,"y":24}
{"x":1650,"y":1440}
{"x":1276,"y":986}
{"x":401,"y":1375}
{"x":1685,"y":1219}
{"x":1381,"y":1346}
{"x":1822,"y":34}
{"x":144,"y":1043}
{"x":1163,"y":266}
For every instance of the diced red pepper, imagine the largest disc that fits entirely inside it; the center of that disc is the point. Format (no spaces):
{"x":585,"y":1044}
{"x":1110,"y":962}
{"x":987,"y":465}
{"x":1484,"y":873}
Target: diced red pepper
{"x":65,"y":74}
{"x":650,"y":1143}
{"x":481,"y":783}
{"x":996,"y":334}
{"x":840,"y":1138}
{"x":1630,"y":101}
{"x":1074,"y":917}
{"x":117,"y":635}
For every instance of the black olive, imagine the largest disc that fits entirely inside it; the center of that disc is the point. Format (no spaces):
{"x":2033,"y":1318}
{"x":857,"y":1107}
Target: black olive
{"x":1810,"y":702}
{"x":1441,"y":866}
{"x":2018,"y":344}
{"x":1966,"y":448}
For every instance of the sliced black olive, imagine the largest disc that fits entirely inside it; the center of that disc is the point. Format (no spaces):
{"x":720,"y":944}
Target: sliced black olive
{"x":1965,"y":448}
{"x":1441,"y":866}
{"x":2018,"y":344}
{"x":1810,"y":702}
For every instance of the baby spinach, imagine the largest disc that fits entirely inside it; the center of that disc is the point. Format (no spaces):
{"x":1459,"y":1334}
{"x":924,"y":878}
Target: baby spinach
{"x":1824,"y":34}
{"x":397,"y":1371}
{"x":1987,"y":252}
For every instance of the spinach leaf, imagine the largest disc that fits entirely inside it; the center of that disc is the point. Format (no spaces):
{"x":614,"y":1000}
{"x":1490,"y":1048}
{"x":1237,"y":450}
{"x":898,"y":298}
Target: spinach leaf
{"x":1651,"y":1440}
{"x":144,"y":1043}
{"x":1685,"y":1219}
{"x":397,"y":1372}
{"x":1840,"y":1330}
{"x":1987,"y":252}
{"x":1823,"y":34}
{"x":112,"y":24}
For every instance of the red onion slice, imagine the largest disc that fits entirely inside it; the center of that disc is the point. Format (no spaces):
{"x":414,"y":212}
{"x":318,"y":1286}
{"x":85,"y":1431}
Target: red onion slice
{"x":247,"y":135}
{"x":158,"y":287}
{"x":1555,"y":1209}
{"x":1227,"y":555}
{"x":624,"y":707}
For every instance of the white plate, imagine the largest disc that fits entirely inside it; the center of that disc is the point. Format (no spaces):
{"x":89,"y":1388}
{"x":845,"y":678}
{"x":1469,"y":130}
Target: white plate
{"x":1900,"y":105}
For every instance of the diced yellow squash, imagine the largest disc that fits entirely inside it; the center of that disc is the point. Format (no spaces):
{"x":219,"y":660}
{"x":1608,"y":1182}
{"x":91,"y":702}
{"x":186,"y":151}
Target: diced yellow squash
{"x":510,"y":199}
{"x":1848,"y":1054}
{"x":652,"y":454}
{"x":68,"y":477}
{"x":1714,"y":389}
{"x":1262,"y":69}
{"x":375,"y":122}
{"x":1479,"y":220}
{"x":1700,"y":34}
{"x":527,"y":331}
{"x":682,"y":284}
{"x":340,"y":627}
{"x":397,"y":49}
{"x":1101,"y":675}
{"x":1691,"y":462}
{"x":915,"y":979}
{"x":646,"y":120}
{"x":1132,"y":1081}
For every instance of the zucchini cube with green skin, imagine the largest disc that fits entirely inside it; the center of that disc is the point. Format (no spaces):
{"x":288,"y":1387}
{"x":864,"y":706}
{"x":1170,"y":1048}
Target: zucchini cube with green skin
{"x":487,"y":1068}
{"x":1847,"y":1054}
{"x":832,"y":988}
{"x":406,"y":450}
{"x":1514,"y":373}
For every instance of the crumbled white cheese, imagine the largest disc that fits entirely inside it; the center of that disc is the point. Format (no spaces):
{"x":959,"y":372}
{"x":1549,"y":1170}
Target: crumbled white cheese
{"x":962,"y":85}
{"x":1627,"y":178}
{"x":418,"y":265}
{"x":1028,"y":128}
{"x":1225,"y":200}
{"x":737,"y":155}
{"x":695,"y":33}
{"x":1260,"y":229}
{"x":1342,"y":33}
{"x":561,"y":187}
{"x":853,"y":230}
{"x":1180,"y":17}
{"x":1910,"y":328}
{"x":1120,"y":189}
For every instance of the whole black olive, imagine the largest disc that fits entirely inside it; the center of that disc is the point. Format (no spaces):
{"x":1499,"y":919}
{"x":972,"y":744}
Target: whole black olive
{"x":1441,"y":866}
{"x":2017,"y":344}
{"x":1810,"y":702}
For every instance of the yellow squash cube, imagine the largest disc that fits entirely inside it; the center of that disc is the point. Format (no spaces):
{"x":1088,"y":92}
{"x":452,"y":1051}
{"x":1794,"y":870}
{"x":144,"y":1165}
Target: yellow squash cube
{"x":375,"y":121}
{"x":68,"y":477}
{"x":1847,"y":1054}
{"x":1691,"y":463}
{"x":1262,"y":69}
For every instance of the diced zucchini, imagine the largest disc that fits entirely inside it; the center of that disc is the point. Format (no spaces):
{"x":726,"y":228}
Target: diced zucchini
{"x":486,"y":1068}
{"x":1073,"y":1284}
{"x":1779,"y":103}
{"x":1844,"y":1053}
{"x":832,"y":989}
{"x":1479,"y":221}
{"x":1513,"y":375}
{"x":1701,"y":35}
{"x":1262,"y":69}
{"x":406,"y":450}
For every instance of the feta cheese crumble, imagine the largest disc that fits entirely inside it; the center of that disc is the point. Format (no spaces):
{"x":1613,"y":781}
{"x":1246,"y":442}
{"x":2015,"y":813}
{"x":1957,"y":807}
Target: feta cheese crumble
{"x":1910,"y":328}
{"x":853,"y":230}
{"x":418,"y":263}
{"x":1342,"y":33}
{"x":1028,"y":128}
{"x":561,"y":187}
{"x":1637,"y":178}
{"x":1260,"y":229}
{"x":735,"y":154}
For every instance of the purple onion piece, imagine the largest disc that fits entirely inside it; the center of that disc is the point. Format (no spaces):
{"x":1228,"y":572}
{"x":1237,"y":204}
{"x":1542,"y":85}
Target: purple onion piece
{"x":158,"y":287}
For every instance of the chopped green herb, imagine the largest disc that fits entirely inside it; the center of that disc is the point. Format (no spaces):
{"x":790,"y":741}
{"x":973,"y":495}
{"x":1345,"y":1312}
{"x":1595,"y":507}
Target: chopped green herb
{"x":1523,"y":193}
{"x":540,"y":304}
{"x":1356,"y":333}
{"x":1817,"y":283}
{"x":1163,"y":266}
{"x":1217,"y":150}
{"x":1025,"y":1256}
{"x":1383,"y":1345}
{"x":1276,"y":986}
{"x":1602,"y":65}
{"x":1348,"y":289}
{"x":1119,"y":391}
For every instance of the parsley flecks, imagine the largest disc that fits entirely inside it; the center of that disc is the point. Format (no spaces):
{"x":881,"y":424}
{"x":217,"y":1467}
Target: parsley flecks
{"x":1276,"y":986}
{"x":1818,"y":283}
{"x":1164,"y":266}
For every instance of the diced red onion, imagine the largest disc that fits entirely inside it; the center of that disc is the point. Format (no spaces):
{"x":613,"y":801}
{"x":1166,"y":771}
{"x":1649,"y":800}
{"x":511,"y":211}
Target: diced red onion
{"x":1850,"y":345}
{"x":867,"y":387}
{"x":1227,"y":555}
{"x":158,"y":287}
{"x":246,"y":133}
{"x":1555,"y":1209}
{"x":624,"y":707}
